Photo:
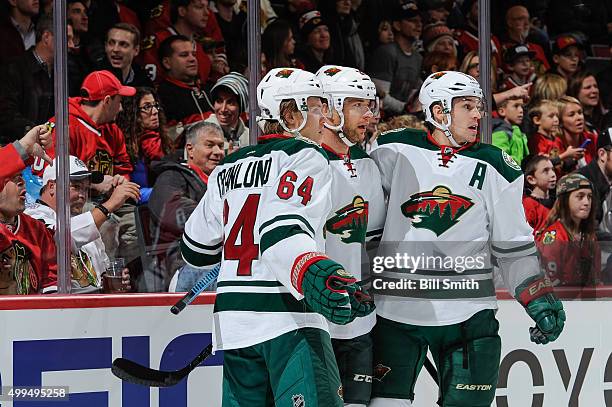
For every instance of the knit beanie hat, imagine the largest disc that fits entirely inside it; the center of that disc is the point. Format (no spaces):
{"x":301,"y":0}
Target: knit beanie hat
{"x":238,"y":85}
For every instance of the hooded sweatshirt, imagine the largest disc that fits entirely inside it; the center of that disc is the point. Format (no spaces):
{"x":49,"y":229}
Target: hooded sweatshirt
{"x":511,"y":139}
{"x":100,"y":147}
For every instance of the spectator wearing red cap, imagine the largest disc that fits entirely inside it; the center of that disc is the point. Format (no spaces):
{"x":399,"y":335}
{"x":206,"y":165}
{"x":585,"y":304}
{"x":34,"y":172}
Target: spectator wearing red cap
{"x":396,"y":68}
{"x":94,"y":137}
{"x":567,"y":55}
{"x":516,"y":33}
{"x":34,"y":265}
{"x":316,"y":49}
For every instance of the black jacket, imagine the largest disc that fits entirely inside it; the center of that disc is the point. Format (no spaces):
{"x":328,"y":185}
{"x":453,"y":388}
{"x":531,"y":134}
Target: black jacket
{"x":600,"y":183}
{"x":26,"y":97}
{"x":176,"y":193}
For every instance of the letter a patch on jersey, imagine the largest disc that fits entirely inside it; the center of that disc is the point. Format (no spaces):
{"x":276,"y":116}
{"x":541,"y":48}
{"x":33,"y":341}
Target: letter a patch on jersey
{"x":437,"y":210}
{"x":350,"y":222}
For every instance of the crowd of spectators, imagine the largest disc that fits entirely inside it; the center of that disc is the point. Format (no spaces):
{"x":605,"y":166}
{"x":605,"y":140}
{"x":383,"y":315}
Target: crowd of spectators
{"x":159,"y":95}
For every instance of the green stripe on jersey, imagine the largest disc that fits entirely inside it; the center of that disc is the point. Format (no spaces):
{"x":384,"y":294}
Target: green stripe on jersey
{"x":198,"y":259}
{"x":284,"y":217}
{"x":479,"y":151}
{"x":289,"y":146}
{"x":259,"y":302}
{"x":513,"y":249}
{"x":273,"y":236}
{"x":202,"y":246}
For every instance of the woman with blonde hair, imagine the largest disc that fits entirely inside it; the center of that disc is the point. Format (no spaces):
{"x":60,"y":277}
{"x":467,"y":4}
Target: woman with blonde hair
{"x":573,"y":129}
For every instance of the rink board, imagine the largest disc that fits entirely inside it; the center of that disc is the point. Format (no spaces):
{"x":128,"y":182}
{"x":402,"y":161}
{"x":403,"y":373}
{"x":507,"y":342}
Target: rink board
{"x":72,"y":341}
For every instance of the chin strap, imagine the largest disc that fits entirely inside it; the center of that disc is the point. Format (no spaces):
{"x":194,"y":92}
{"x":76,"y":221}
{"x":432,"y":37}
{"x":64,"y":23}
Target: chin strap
{"x":339,"y":132}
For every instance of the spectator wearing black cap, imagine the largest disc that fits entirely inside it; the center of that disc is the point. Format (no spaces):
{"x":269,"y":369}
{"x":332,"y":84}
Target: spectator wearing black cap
{"x":230,"y":97}
{"x":518,"y":67}
{"x":316,"y":49}
{"x":395,"y":68}
{"x":567,"y":55}
{"x":345,"y":40}
{"x":599,"y":172}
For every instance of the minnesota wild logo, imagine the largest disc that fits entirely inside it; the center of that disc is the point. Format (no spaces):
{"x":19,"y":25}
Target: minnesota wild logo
{"x":284,"y":73}
{"x":331,"y":71}
{"x":437,"y":210}
{"x":350,"y":222}
{"x":438,"y":75}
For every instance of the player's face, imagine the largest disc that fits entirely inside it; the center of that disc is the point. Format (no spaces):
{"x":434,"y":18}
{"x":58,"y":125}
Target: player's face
{"x":79,"y":192}
{"x":522,"y":66}
{"x":465,"y":117}
{"x":148,"y":109}
{"x":120,"y":48}
{"x":182,"y":65}
{"x":318,"y":113}
{"x":544,"y":175}
{"x":207,"y":151}
{"x":572,"y":118}
{"x":548,"y":123}
{"x":197,"y":14}
{"x":78,"y":15}
{"x":514,"y":111}
{"x":12,"y":197}
{"x":589,"y":92}
{"x":357,"y":116}
{"x":580,"y":204}
{"x":227,"y":108}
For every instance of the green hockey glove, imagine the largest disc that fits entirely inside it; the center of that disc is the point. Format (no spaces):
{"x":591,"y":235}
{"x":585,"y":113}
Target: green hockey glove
{"x":324,"y":283}
{"x":362,"y":303}
{"x":543,"y":306}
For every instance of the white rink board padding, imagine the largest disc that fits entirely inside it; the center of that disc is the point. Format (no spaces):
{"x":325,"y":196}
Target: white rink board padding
{"x":575,"y":370}
{"x":75,"y":341}
{"x":72,"y":341}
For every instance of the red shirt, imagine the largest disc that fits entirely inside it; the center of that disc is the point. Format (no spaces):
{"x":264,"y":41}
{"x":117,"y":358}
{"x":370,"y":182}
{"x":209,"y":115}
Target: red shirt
{"x":540,"y":144}
{"x":535,"y":212}
{"x":127,"y":15}
{"x":469,"y":42}
{"x":100,"y":147}
{"x":568,"y":262}
{"x":151,"y":145}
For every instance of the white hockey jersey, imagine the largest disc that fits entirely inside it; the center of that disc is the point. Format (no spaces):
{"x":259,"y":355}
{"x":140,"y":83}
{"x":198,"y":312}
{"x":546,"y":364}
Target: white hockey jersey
{"x":88,"y":255}
{"x":265,"y":206}
{"x":450,"y":214}
{"x":357,"y":216}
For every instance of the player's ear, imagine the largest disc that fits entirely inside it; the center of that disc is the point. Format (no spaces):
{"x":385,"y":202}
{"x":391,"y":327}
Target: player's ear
{"x":438,"y":113}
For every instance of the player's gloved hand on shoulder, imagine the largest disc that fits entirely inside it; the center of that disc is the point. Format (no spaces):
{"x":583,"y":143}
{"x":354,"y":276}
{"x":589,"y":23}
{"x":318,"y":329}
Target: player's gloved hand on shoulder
{"x":324,"y":284}
{"x":542,"y":305}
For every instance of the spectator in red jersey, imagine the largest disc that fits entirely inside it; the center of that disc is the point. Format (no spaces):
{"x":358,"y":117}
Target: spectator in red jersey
{"x":568,"y":248}
{"x":143,"y":123}
{"x":567,"y":55}
{"x":468,"y":36}
{"x":544,"y":116}
{"x":122,"y":45}
{"x":517,"y":30}
{"x":34,"y":263}
{"x":574,"y":130}
{"x":17,"y":28}
{"x":540,"y":183}
{"x":518,"y":66}
{"x":180,"y":185}
{"x":183,"y":99}
{"x":189,"y":18}
{"x":94,"y":137}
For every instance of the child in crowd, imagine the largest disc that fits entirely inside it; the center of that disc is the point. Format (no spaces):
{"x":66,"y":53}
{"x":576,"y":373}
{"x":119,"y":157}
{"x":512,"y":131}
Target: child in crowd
{"x":518,"y":67}
{"x":567,"y":55}
{"x":568,"y":248}
{"x":385,"y":33}
{"x":540,"y":182}
{"x":507,"y":134}
{"x":544,"y":116}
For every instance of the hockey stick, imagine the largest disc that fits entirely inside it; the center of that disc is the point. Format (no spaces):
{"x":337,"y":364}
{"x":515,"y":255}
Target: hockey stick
{"x":135,"y":373}
{"x":201,"y":285}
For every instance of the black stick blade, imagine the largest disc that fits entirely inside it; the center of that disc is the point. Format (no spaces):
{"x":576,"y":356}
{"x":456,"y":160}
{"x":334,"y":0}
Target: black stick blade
{"x":135,"y":373}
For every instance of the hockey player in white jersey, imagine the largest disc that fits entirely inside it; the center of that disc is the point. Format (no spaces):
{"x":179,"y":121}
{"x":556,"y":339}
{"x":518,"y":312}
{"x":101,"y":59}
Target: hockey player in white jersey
{"x":263,"y":218}
{"x":357,"y":215}
{"x":454,"y":199}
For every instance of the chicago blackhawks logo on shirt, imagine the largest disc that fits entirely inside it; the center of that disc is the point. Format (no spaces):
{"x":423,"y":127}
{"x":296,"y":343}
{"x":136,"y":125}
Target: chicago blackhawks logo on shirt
{"x":350,"y":222}
{"x":549,"y":237}
{"x":23,"y":274}
{"x":437,"y":210}
{"x":102,"y":162}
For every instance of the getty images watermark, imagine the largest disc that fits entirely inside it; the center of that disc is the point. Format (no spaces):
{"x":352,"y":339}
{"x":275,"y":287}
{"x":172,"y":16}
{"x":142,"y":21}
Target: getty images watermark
{"x":433,"y":277}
